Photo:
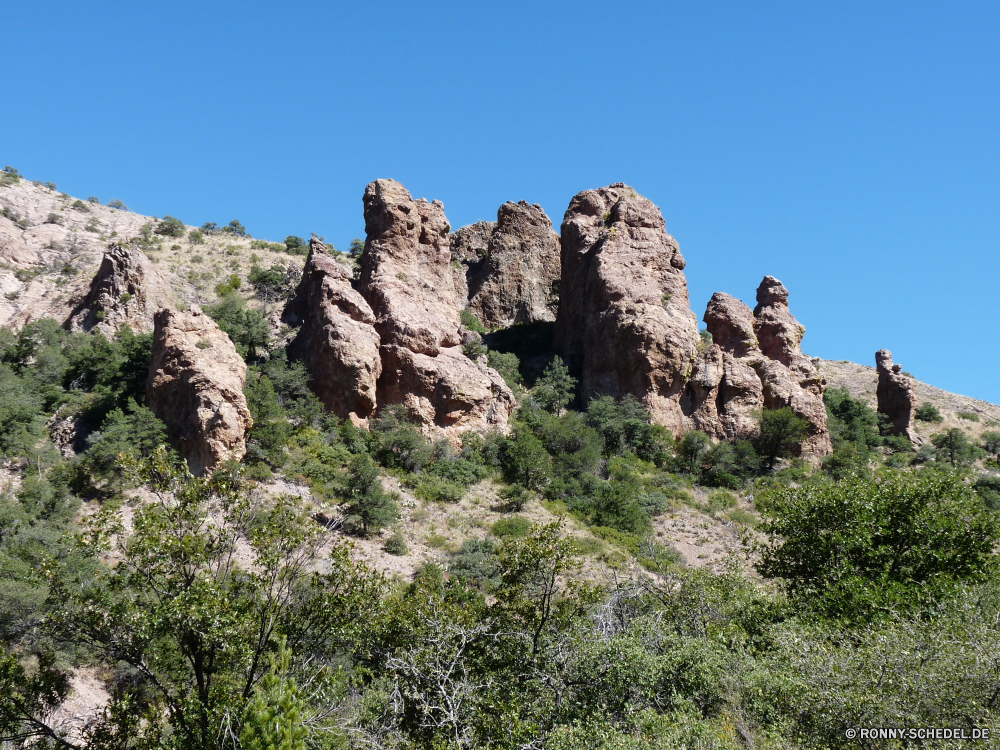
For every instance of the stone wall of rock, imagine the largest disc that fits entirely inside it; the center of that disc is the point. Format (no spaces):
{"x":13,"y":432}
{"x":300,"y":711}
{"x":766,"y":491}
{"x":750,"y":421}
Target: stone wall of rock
{"x":625,"y":324}
{"x":127,"y":290}
{"x":195,"y":386}
{"x":896,"y":397}
{"x":755,"y":362}
{"x":408,"y":281}
{"x":337,"y":342}
{"x":513,"y":276}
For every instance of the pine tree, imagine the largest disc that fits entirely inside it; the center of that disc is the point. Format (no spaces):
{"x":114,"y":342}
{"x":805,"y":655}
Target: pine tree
{"x":274,"y":715}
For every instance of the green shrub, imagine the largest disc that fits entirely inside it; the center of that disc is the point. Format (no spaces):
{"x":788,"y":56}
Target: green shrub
{"x":743,"y":517}
{"x":475,"y":563}
{"x":80,"y":206}
{"x":296,"y":245}
{"x":555,"y":389}
{"x":369,"y":507}
{"x":235,"y":227}
{"x":168,"y":226}
{"x":470,"y":321}
{"x":508,"y":365}
{"x":438,"y":490}
{"x":968,"y":416}
{"x":396,"y":545}
{"x":517,"y":527}
{"x":927,"y":412}
{"x":9,"y":176}
{"x":196,"y":237}
{"x":117,"y":204}
{"x":722,"y":500}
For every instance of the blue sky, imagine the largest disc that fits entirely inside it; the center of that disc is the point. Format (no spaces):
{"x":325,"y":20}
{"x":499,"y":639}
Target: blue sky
{"x":850,"y":149}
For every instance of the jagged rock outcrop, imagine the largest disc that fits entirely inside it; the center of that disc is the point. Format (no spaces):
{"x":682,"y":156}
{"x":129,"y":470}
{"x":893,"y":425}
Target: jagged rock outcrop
{"x":337,"y":342}
{"x":195,"y":386}
{"x":127,"y":290}
{"x":755,"y":362}
{"x":514,"y":277}
{"x":625,"y":324}
{"x":469,"y":251}
{"x":14,"y":250}
{"x":896,"y":397}
{"x":407,"y":279}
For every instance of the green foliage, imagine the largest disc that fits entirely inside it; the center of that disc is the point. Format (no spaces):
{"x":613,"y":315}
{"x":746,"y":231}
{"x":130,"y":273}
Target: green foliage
{"x":991,"y":442}
{"x":235,"y":227}
{"x":196,"y":237}
{"x":955,"y":447}
{"x":470,"y":321}
{"x":275,"y":283}
{"x":9,"y":176}
{"x":232,"y":284}
{"x":134,"y":431}
{"x":296,"y":245}
{"x":369,"y":507}
{"x":168,"y":226}
{"x":968,"y":416}
{"x":526,"y":462}
{"x":437,"y":489}
{"x":781,"y":434}
{"x":865,"y":546}
{"x":117,"y":204}
{"x":269,"y":434}
{"x":397,"y":443}
{"x":555,"y":389}
{"x":511,"y":526}
{"x":396,"y":545}
{"x":80,"y":206}
{"x":507,"y":364}
{"x":927,"y":412}
{"x":274,"y":716}
{"x":988,"y":488}
{"x":626,"y":427}
{"x":357,"y":248}
{"x":245,"y":326}
{"x":851,"y":420}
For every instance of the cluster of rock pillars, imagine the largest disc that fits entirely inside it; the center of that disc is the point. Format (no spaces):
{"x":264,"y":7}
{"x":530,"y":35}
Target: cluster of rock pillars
{"x":611,"y":282}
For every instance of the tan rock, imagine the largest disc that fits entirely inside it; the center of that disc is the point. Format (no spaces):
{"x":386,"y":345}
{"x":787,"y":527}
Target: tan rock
{"x":625,"y":324}
{"x":195,"y":386}
{"x":896,"y":397}
{"x":338,"y":342}
{"x":469,"y":251}
{"x":127,"y":290}
{"x":14,"y":250}
{"x":408,"y":281}
{"x":516,"y":279}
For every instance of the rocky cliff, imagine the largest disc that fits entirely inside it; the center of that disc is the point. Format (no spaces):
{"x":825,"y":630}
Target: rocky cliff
{"x":897,"y":397}
{"x":512,"y":266}
{"x":625,"y":324}
{"x":127,"y":290}
{"x":337,"y":341}
{"x":407,"y":279}
{"x":195,"y":386}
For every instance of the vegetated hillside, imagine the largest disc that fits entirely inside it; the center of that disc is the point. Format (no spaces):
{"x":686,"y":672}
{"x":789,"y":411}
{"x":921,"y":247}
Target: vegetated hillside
{"x":438,"y":533}
{"x":969,"y":414}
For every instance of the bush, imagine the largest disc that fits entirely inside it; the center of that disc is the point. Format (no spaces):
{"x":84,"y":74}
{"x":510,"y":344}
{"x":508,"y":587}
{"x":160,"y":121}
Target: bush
{"x":722,"y":500}
{"x":117,"y":204}
{"x":247,"y":328}
{"x":275,"y":283}
{"x":80,"y":206}
{"x":369,"y":507}
{"x":475,"y":563}
{"x":991,"y":442}
{"x":235,"y":227}
{"x":988,"y":488}
{"x":954,"y":446}
{"x":555,"y":389}
{"x":396,"y":545}
{"x":781,"y":434}
{"x":296,"y":245}
{"x":508,"y":365}
{"x":515,"y":526}
{"x":526,"y":462}
{"x":968,"y":416}
{"x":866,"y":547}
{"x":438,"y":490}
{"x":927,"y":412}
{"x":196,"y":237}
{"x":470,"y":321}
{"x":53,"y":218}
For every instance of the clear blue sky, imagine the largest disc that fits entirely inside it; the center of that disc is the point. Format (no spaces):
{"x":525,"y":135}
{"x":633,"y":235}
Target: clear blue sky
{"x":851,"y":150}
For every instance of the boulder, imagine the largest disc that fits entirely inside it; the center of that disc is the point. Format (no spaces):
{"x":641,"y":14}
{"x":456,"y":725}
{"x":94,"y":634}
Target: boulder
{"x":515,"y":278}
{"x":195,"y":386}
{"x":754,"y":363}
{"x":127,"y":290}
{"x":408,"y":281}
{"x":896,"y":397}
{"x":337,"y":342}
{"x":625,"y":324}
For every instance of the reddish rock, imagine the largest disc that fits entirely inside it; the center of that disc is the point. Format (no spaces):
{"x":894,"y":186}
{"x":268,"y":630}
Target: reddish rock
{"x":127,"y":290}
{"x":625,"y":324}
{"x":896,"y":397}
{"x":515,"y":278}
{"x":407,"y":279}
{"x":337,"y":342}
{"x":469,"y":251}
{"x":195,"y":386}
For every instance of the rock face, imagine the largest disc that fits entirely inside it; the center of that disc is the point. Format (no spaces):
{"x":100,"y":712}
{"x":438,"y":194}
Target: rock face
{"x":896,"y":397}
{"x":625,"y":324}
{"x":407,"y":279}
{"x":195,"y":386}
{"x":514,"y":276}
{"x":127,"y":290}
{"x":469,"y":251}
{"x":337,"y":342}
{"x":755,"y":362}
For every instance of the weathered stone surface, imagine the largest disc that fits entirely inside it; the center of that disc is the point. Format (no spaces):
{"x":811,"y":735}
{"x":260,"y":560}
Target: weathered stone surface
{"x":337,"y":342}
{"x":127,"y":290}
{"x":14,"y":250}
{"x":469,"y":250}
{"x":515,"y":277}
{"x":407,"y":279}
{"x":625,"y":324}
{"x":755,"y":363}
{"x":195,"y":386}
{"x":406,"y":274}
{"x":896,"y":397}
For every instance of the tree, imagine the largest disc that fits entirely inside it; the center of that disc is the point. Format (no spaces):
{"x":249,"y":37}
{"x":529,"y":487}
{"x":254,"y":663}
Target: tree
{"x":927,"y":412}
{"x":274,"y":283}
{"x":357,"y":248}
{"x":866,"y":546}
{"x":235,"y":227}
{"x":991,"y":442}
{"x":269,"y":434}
{"x":296,"y":245}
{"x":555,"y":389}
{"x":369,"y":507}
{"x":526,"y":462}
{"x":781,"y":434}
{"x":954,"y":444}
{"x":117,"y":204}
{"x":168,"y":226}
{"x":246,"y":327}
{"x":274,"y":717}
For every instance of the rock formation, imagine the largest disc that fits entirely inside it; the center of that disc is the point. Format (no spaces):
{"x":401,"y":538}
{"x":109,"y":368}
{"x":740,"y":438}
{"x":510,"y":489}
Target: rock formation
{"x":896,"y":397}
{"x":512,"y":277}
{"x":469,"y":251}
{"x":407,"y":279}
{"x":625,"y":324}
{"x":195,"y":386}
{"x":337,"y":342}
{"x":126,"y":290}
{"x":755,"y":362}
